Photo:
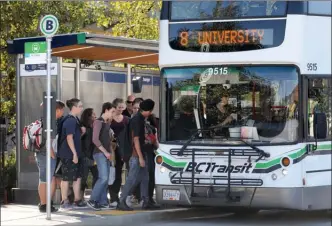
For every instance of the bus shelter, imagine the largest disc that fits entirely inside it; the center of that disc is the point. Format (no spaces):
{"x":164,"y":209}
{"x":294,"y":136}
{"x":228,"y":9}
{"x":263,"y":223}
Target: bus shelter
{"x":92,"y":84}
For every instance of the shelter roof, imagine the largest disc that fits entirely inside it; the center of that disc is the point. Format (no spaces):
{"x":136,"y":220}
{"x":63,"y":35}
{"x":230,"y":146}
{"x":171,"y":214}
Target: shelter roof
{"x":96,"y":47}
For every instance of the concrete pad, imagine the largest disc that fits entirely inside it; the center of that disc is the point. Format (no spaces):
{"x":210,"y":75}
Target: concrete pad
{"x":29,"y":215}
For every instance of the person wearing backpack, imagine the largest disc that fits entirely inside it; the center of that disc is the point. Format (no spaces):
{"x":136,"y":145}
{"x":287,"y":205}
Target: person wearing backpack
{"x":70,"y":154}
{"x":135,"y":198}
{"x":138,"y":173}
{"x":102,"y":156}
{"x":41,"y":163}
{"x":87,"y":119}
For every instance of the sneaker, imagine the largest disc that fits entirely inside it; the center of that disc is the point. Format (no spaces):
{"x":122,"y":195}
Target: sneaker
{"x":80,"y":204}
{"x":42,"y":209}
{"x":106,"y":207}
{"x":123,"y":206}
{"x":151,"y":200}
{"x":94,"y":205}
{"x":114,"y":204}
{"x":134,"y":200}
{"x":129,"y":201}
{"x":65,"y":205}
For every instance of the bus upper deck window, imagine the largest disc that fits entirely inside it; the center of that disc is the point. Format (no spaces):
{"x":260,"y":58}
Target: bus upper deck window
{"x":257,"y":8}
{"x":278,"y":8}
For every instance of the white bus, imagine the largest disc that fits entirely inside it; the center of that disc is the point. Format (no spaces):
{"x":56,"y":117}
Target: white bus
{"x":245,"y":104}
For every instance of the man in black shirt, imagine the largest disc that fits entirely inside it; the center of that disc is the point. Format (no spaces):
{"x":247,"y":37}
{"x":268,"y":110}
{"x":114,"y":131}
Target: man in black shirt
{"x":138,"y":173}
{"x":129,"y":110}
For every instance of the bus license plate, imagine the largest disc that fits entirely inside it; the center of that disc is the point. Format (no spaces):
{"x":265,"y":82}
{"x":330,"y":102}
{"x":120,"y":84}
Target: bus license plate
{"x":173,"y":195}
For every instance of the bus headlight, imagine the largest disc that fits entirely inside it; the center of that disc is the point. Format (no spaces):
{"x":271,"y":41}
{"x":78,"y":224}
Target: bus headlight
{"x":162,"y":169}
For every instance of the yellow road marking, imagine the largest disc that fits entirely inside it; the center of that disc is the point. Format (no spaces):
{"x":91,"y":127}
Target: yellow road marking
{"x":115,"y":212}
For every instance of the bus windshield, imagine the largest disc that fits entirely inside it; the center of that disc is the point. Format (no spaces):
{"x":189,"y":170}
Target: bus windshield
{"x":256,"y":103}
{"x":213,"y":10}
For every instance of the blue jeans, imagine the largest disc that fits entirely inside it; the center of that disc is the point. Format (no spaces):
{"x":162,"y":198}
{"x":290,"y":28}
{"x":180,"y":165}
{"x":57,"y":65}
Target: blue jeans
{"x":99,"y":191}
{"x":137,"y":176}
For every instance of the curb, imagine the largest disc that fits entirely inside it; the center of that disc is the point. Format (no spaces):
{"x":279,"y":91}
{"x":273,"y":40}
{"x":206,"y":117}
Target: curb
{"x":148,"y":217}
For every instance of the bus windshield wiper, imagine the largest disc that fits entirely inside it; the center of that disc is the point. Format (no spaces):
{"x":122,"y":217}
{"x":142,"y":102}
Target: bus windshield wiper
{"x":192,"y":137}
{"x":258,"y":150}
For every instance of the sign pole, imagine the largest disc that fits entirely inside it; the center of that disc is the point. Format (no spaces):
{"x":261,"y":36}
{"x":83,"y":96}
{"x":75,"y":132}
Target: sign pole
{"x":48,"y":26}
{"x":49,"y":129}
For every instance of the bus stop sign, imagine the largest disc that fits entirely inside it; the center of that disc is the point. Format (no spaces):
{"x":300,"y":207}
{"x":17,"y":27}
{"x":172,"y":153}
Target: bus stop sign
{"x":49,"y":25}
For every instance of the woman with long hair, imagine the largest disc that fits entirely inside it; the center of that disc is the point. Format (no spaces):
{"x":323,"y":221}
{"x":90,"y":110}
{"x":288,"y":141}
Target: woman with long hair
{"x":87,"y":119}
{"x":118,"y":124}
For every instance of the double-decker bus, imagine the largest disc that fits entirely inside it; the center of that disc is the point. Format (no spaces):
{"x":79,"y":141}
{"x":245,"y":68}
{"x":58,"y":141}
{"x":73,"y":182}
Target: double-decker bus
{"x":245,"y":104}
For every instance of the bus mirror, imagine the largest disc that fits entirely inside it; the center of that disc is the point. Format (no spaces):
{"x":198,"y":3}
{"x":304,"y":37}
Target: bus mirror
{"x":320,"y":126}
{"x":137,"y":84}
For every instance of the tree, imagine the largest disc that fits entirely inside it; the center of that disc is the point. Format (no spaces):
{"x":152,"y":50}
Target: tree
{"x":20,"y":19}
{"x":133,"y":19}
{"x":136,"y":19}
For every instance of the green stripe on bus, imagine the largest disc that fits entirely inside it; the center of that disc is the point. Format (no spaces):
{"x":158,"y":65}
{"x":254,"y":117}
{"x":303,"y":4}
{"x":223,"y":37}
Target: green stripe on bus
{"x":267,"y":164}
{"x":324,"y":147}
{"x":173,"y":163}
{"x":298,"y":153}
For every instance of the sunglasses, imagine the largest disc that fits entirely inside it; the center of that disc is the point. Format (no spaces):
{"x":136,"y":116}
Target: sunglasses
{"x":129,"y":102}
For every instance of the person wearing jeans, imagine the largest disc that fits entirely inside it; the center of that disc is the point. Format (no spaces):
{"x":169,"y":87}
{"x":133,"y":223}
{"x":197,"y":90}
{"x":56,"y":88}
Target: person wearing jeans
{"x":99,"y":191}
{"x":41,"y":163}
{"x":138,"y":173}
{"x":102,"y":155}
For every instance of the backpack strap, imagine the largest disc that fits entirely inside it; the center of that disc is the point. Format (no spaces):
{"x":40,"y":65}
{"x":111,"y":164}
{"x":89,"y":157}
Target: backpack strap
{"x":60,"y":132}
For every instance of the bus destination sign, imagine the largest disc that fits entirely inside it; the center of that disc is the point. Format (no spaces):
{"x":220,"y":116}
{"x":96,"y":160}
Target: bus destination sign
{"x":227,"y":36}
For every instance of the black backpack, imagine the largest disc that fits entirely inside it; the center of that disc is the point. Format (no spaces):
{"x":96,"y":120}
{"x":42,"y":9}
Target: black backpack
{"x":125,"y":143}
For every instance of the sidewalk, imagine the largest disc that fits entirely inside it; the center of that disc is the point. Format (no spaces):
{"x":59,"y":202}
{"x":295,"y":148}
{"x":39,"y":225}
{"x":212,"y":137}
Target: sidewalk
{"x":14,"y":214}
{"x":27,"y":215}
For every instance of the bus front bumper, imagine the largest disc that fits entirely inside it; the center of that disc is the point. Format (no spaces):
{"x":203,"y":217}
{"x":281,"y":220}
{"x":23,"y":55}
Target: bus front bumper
{"x":309,"y":198}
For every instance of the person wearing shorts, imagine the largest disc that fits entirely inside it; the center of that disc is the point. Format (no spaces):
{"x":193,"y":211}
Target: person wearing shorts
{"x":70,"y":154}
{"x":41,"y":163}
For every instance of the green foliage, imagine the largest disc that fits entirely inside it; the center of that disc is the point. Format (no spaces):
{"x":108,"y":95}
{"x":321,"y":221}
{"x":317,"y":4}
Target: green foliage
{"x":135,"y":19}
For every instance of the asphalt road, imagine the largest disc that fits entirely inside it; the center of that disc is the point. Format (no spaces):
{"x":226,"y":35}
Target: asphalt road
{"x":281,"y":218}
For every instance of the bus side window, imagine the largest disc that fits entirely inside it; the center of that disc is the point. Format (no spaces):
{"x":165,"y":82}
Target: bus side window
{"x":319,"y":101}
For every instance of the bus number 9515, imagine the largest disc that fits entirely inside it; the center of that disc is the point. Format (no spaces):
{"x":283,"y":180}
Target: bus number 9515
{"x":218,"y":71}
{"x":312,"y":66}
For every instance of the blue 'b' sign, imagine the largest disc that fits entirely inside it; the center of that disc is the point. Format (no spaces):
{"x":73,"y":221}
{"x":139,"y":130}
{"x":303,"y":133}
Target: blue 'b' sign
{"x":49,"y":25}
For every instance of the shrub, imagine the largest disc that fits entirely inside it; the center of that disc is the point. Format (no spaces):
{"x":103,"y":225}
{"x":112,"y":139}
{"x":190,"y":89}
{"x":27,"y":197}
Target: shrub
{"x":9,"y":170}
